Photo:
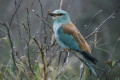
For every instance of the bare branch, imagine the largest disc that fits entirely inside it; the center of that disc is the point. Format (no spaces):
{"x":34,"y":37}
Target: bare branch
{"x":61,"y":3}
{"x":81,"y":71}
{"x":43,"y":20}
{"x":29,"y":36}
{"x":15,"y":12}
{"x":103,"y":23}
{"x":18,"y":21}
{"x":94,"y":17}
{"x":45,"y":32}
{"x":113,"y":68}
{"x":69,"y":5}
{"x":11,"y":43}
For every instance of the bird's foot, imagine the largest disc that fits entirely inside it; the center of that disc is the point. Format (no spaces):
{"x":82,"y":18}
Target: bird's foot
{"x":67,"y":50}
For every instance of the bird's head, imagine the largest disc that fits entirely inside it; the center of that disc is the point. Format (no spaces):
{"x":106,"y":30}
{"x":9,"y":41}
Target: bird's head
{"x":60,"y":16}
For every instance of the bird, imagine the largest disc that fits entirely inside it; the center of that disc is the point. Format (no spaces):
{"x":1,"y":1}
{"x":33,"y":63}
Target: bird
{"x":69,"y":37}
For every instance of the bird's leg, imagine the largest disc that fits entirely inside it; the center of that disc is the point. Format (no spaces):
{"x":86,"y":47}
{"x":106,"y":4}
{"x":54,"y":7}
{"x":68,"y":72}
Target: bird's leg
{"x":67,"y":50}
{"x":67,"y":55}
{"x":66,"y":58}
{"x":81,"y":70}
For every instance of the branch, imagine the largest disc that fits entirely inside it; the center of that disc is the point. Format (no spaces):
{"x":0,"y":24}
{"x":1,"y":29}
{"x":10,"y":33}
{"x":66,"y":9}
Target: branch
{"x":103,"y":70}
{"x":18,"y":21}
{"x":29,"y":36}
{"x":41,"y":7}
{"x":103,"y":73}
{"x":94,"y":32}
{"x":69,"y":5}
{"x":15,"y":13}
{"x":43,"y":20}
{"x":113,"y":68}
{"x":11,"y":43}
{"x":81,"y":71}
{"x":61,"y":2}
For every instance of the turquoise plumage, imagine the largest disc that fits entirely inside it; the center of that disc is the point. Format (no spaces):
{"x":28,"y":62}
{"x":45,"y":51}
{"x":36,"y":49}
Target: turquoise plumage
{"x":71,"y":43}
{"x":68,"y":36}
{"x":67,"y":40}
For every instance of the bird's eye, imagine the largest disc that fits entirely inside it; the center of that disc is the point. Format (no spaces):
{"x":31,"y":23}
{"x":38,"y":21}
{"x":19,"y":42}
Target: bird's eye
{"x":60,"y":14}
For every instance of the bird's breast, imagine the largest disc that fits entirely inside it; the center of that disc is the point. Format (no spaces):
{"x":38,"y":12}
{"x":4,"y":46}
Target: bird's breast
{"x":59,"y":41}
{"x":56,"y":26}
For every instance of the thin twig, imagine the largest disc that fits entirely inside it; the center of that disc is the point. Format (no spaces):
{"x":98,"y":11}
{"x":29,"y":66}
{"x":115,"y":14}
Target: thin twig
{"x":43,"y":20}
{"x":72,"y":77}
{"x":103,"y":70}
{"x":3,"y":31}
{"x":15,"y":13}
{"x":103,"y":23}
{"x":61,"y":3}
{"x":65,"y":60}
{"x":91,"y":20}
{"x":11,"y":43}
{"x":81,"y":71}
{"x":28,"y":54}
{"x":40,"y":48}
{"x":60,"y":54}
{"x":113,"y":68}
{"x":69,"y":5}
{"x":41,"y":7}
{"x":31,"y":6}
{"x":94,"y":17}
{"x":18,"y":21}
{"x":94,"y":42}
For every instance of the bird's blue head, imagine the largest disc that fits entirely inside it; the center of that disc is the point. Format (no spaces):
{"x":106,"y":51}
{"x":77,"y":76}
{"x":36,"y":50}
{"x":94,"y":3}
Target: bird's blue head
{"x":60,"y":16}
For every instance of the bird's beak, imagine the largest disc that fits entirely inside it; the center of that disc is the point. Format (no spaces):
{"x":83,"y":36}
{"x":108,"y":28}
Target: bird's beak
{"x":52,"y":14}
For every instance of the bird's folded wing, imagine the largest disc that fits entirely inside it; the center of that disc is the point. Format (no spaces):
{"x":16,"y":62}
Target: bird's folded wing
{"x":72,"y":30}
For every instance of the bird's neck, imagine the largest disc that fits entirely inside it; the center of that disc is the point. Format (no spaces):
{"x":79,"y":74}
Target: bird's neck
{"x":58,"y":24}
{"x":62,"y":21}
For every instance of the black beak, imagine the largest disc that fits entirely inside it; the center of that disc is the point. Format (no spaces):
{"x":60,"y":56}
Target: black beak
{"x":52,"y":14}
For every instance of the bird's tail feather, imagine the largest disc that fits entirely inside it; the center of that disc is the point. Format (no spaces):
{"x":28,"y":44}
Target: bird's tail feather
{"x":89,"y":57}
{"x":89,"y":65}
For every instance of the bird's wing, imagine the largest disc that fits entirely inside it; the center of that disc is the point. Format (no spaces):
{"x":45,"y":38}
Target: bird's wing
{"x":71,"y":37}
{"x":67,"y":39}
{"x":74,"y":32}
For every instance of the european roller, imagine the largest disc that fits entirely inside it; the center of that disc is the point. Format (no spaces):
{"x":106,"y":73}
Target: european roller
{"x":69,"y":37}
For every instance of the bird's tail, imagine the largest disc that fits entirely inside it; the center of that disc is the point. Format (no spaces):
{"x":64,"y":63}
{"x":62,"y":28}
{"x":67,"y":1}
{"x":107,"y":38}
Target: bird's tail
{"x":88,"y":59}
{"x":89,"y":65}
